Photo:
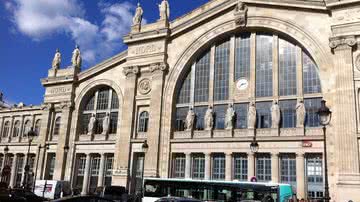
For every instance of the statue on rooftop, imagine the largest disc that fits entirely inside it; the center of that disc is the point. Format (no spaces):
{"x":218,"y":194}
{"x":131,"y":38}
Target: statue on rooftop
{"x":138,"y":15}
{"x":76,"y":57}
{"x":57,"y":60}
{"x":164,"y":10}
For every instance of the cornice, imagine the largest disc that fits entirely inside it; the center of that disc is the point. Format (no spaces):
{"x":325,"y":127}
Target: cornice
{"x":336,"y":3}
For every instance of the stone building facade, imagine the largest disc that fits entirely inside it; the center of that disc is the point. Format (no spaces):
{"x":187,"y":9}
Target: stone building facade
{"x":92,"y":124}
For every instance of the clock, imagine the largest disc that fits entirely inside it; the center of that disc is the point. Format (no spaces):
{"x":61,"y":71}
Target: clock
{"x":242,"y":84}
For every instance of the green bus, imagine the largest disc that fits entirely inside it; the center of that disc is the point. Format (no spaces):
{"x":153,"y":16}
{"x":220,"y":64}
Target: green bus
{"x":216,"y":191}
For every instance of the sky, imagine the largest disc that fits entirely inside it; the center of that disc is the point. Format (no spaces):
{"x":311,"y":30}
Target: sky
{"x":31,"y":31}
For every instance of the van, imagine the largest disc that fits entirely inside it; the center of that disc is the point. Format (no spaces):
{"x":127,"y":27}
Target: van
{"x":52,"y":189}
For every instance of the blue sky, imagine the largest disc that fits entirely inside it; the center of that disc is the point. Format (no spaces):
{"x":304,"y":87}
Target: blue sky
{"x":31,"y":30}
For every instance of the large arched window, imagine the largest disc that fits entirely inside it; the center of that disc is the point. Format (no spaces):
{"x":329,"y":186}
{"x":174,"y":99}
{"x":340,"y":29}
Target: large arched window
{"x":101,"y":102}
{"x":250,"y":66}
{"x":57,"y":125}
{"x":26,"y":128}
{"x":16,"y":132}
{"x":6,"y":129}
{"x":143,"y":121}
{"x":37,"y":126}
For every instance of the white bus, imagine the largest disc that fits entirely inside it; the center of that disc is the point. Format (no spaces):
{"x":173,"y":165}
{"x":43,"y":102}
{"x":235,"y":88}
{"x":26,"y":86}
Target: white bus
{"x":216,"y":191}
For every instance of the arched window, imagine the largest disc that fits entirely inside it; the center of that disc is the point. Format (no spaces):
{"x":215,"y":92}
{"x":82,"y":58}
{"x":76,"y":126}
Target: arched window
{"x":27,"y":127}
{"x":16,"y":132}
{"x":6,"y":129}
{"x":57,"y":126}
{"x":143,"y":121}
{"x":37,"y":126}
{"x":101,"y":102}
{"x":281,"y":68}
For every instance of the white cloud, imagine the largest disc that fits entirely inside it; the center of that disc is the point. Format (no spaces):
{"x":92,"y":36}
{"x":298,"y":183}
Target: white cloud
{"x":39,"y":19}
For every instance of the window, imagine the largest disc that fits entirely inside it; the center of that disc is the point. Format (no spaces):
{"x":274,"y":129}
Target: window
{"x":180,"y":118}
{"x":221,"y":71}
{"x":310,"y":76}
{"x":19,"y":170}
{"x":179,"y":166}
{"x":220,"y":112}
{"x":314,"y":175}
{"x":94,"y":173}
{"x":312,"y":106}
{"x":202,"y":72}
{"x":263,"y":114}
{"x":218,"y":168}
{"x":6,"y":129}
{"x":27,"y":127}
{"x":264,"y":79}
{"x":108,"y":169}
{"x":80,"y":165}
{"x":37,"y":126}
{"x":16,"y":132}
{"x":287,"y":68}
{"x":50,"y":166}
{"x":263,"y":168}
{"x":184,"y":92}
{"x":288,"y":113}
{"x":198,"y":166}
{"x":143,"y":121}
{"x":242,"y":56}
{"x":57,"y":126}
{"x":288,"y":169}
{"x":241,"y":114}
{"x":101,"y":102}
{"x":240,"y":167}
{"x":200,"y":114}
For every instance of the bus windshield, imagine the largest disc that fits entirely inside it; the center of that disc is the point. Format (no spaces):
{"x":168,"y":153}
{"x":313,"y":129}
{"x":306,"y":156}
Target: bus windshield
{"x":211,"y":190}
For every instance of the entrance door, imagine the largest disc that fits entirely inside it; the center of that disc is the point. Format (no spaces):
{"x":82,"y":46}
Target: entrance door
{"x":137,"y":173}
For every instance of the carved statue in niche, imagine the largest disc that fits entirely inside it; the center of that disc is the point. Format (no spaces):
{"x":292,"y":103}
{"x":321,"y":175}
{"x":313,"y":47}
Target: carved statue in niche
{"x":164,"y":10}
{"x":57,"y":60}
{"x":209,"y":119}
{"x":76,"y":57}
{"x":252,"y":116}
{"x":229,"y":118}
{"x":190,"y":119}
{"x":240,"y":14}
{"x":138,"y":15}
{"x":106,"y":124}
{"x":91,"y":125}
{"x":300,"y":113}
{"x":275,"y":115}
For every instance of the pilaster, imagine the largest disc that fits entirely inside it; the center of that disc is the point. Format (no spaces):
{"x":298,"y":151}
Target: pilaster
{"x":275,"y":167}
{"x":187,"y":165}
{"x":300,"y":175}
{"x":228,"y":166}
{"x":207,"y":166}
{"x":101,"y":171}
{"x":85,"y":184}
{"x":13,"y":171}
{"x":251,"y":165}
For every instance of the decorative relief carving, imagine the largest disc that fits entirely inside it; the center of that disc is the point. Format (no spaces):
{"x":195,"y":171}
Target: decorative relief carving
{"x":46,"y":106}
{"x":66,"y":105}
{"x":59,"y":90}
{"x":336,"y":42}
{"x":357,"y":62}
{"x":348,"y":15}
{"x":158,"y":67}
{"x":240,"y":14}
{"x":132,"y":70}
{"x":145,"y":49}
{"x":145,"y":86}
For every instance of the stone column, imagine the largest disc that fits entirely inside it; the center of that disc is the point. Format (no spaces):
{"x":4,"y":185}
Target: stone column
{"x":85,"y":184}
{"x":153,"y":134}
{"x":101,"y":171}
{"x":300,"y":175}
{"x":228,"y":166}
{"x":121,"y":159}
{"x":13,"y":171}
{"x":188,"y":165}
{"x":251,"y":165}
{"x":275,"y":167}
{"x":207,"y":166}
{"x":60,"y":158}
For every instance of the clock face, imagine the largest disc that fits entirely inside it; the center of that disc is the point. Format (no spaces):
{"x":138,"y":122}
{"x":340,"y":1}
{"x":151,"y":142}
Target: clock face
{"x":242,"y":84}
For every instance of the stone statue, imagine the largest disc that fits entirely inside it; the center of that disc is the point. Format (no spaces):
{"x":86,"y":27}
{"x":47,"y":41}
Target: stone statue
{"x":209,"y":119}
{"x":229,"y":119}
{"x":190,"y":118}
{"x":91,"y":125}
{"x":1,"y":97}
{"x":241,"y":14}
{"x":164,"y":10}
{"x":138,"y":15}
{"x":76,"y":57}
{"x":275,"y":115}
{"x":252,"y":116}
{"x":106,"y":124}
{"x":57,"y":60}
{"x":300,"y":113}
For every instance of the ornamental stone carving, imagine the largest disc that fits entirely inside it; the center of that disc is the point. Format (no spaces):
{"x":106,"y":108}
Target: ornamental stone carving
{"x":138,"y":15}
{"x":158,"y":67}
{"x":229,"y":118}
{"x":91,"y":125}
{"x":106,"y":124}
{"x":144,"y":86}
{"x":357,"y":62}
{"x":336,"y":42}
{"x":131,"y":70}
{"x":76,"y":57}
{"x":252,"y":116}
{"x":190,"y":119}
{"x":209,"y":119}
{"x":275,"y":115}
{"x":46,"y":106}
{"x":164,"y":10}
{"x":300,"y":114}
{"x":57,"y":60}
{"x":240,"y":14}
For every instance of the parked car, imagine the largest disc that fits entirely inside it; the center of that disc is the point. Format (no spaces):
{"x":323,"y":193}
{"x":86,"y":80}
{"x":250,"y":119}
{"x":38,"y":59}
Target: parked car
{"x":52,"y":189}
{"x":26,"y":194}
{"x":115,"y":193}
{"x":82,"y":199}
{"x":176,"y":199}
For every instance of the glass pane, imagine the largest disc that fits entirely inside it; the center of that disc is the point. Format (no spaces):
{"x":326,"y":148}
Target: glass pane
{"x":180,"y":118}
{"x":179,"y":166}
{"x":113,"y":122}
{"x":218,"y":171}
{"x":264,"y":79}
{"x":310,"y":75}
{"x":220,"y":111}
{"x":242,"y":56}
{"x":114,"y":100}
{"x":241,"y":111}
{"x":287,"y":68}
{"x":263,"y":114}
{"x":103,"y":99}
{"x":90,"y":104}
{"x":312,"y":106}
{"x":202,"y":71}
{"x":240,"y":167}
{"x":198,"y":166}
{"x":221,"y":74}
{"x":200,"y":113}
{"x":184,"y":92}
{"x":288,"y":113}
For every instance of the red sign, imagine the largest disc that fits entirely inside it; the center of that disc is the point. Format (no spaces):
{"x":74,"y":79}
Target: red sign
{"x":306,"y":144}
{"x":253,"y":179}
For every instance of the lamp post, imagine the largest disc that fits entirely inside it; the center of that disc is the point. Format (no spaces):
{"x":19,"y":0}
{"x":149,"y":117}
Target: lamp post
{"x":254,"y":147}
{"x":4,"y":172}
{"x":31,"y":134}
{"x":145,"y":148}
{"x":325,"y":117}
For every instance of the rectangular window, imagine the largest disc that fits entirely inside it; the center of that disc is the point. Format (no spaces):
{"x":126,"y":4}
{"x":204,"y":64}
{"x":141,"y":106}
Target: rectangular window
{"x":84,"y":123}
{"x":200,"y":114}
{"x":103,"y":99}
{"x":184,"y":90}
{"x":263,"y":114}
{"x":94,"y":173}
{"x":113,"y":122}
{"x":241,"y":114}
{"x":202,"y":74}
{"x":180,"y":118}
{"x":108,"y":169}
{"x":50,"y":166}
{"x":99,"y":123}
{"x":179,"y":166}
{"x":240,"y":167}
{"x":80,"y":169}
{"x":19,"y":170}
{"x":242,"y":57}
{"x":312,"y":106}
{"x":218,"y":167}
{"x":287,"y":68}
{"x":288,"y":113}
{"x":263,"y":168}
{"x":220,"y":112}
{"x":90,"y":105}
{"x":221,"y":74}
{"x":198,"y":166}
{"x":264,"y":79}
{"x":114,"y":100}
{"x":310,"y":75}
{"x":314,"y":175}
{"x":288,"y":169}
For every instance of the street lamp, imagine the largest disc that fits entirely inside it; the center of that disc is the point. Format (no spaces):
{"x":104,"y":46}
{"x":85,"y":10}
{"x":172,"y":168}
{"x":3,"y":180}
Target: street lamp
{"x":145,"y":147}
{"x":325,"y":117}
{"x":31,"y":134}
{"x":254,"y":147}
